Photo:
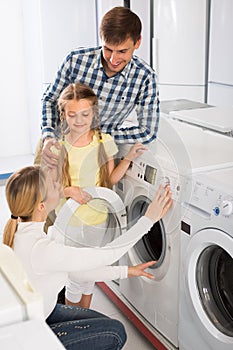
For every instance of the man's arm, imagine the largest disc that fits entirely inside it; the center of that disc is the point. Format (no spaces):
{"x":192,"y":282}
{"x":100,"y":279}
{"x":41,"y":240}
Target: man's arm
{"x":147,"y":114}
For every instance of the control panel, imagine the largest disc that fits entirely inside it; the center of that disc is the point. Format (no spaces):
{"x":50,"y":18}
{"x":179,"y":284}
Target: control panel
{"x":209,"y":198}
{"x":151,"y":174}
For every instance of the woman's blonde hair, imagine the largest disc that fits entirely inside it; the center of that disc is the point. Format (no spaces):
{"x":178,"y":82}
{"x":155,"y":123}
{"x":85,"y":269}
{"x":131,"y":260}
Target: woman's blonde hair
{"x":78,"y":92}
{"x":25,"y":189}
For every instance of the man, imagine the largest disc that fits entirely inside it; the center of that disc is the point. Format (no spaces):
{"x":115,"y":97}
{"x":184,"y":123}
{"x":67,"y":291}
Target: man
{"x":125,"y":85}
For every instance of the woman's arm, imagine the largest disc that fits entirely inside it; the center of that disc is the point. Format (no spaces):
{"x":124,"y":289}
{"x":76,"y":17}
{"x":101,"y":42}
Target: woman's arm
{"x":48,"y":255}
{"x":109,"y":273}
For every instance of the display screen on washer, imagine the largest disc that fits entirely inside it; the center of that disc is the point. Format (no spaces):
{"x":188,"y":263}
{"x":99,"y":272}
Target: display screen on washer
{"x":185,"y":227}
{"x":150,"y":174}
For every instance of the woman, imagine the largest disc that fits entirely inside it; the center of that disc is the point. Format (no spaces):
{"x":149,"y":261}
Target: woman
{"x":31,"y":194}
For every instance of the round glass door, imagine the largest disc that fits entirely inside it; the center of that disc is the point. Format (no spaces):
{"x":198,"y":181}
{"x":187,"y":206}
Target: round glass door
{"x":152,"y":246}
{"x":214,"y":276}
{"x":96,"y":226}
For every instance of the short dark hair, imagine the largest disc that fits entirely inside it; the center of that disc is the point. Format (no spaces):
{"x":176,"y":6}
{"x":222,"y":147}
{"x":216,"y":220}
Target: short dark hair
{"x":119,"y":24}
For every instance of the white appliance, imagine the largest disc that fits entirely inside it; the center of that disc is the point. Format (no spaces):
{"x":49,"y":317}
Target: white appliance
{"x":220,"y":79}
{"x":206,"y":288}
{"x":180,"y":104}
{"x":206,"y":149}
{"x":179,"y":150}
{"x":219,"y":119}
{"x":180,"y":48}
{"x":22,"y":324}
{"x":156,"y":300}
{"x":143,"y":10}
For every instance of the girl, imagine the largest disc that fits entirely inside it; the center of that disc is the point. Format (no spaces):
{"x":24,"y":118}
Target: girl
{"x":86,"y":160}
{"x":31,"y":195}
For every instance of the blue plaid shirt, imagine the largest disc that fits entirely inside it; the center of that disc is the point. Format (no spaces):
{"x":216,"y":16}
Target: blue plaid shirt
{"x":132,"y":92}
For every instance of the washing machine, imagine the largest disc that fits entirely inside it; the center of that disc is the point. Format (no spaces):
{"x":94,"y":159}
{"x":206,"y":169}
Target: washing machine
{"x":179,"y":150}
{"x":219,"y":119}
{"x":206,"y":278}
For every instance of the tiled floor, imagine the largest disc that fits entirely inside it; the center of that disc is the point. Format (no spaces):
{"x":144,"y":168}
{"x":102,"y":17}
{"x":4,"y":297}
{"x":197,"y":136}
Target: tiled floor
{"x":101,"y":303}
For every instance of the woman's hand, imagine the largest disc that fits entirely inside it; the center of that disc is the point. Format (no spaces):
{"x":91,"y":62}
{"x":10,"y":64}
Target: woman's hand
{"x":77,"y":194}
{"x":138,"y":270}
{"x":135,"y":151}
{"x":160,"y":204}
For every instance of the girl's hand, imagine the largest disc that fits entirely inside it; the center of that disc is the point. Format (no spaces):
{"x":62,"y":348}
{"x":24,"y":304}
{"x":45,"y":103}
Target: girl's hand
{"x":160,"y":204}
{"x":135,"y":151}
{"x":77,"y":194}
{"x":138,"y":270}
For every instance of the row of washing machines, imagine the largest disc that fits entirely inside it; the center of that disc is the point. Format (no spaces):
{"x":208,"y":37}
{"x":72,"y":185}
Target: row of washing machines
{"x":190,"y":300}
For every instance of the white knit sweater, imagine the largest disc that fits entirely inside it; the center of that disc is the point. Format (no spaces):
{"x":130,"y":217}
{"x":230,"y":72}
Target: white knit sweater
{"x":47,"y":262}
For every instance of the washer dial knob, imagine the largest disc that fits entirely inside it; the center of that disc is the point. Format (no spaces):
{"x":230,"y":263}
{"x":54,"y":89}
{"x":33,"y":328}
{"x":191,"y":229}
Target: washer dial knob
{"x":165,"y":181}
{"x":226,"y":208}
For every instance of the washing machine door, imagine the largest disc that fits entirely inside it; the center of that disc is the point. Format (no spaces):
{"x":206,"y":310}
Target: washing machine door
{"x":153,"y":245}
{"x":209,"y":282}
{"x":111,"y":210}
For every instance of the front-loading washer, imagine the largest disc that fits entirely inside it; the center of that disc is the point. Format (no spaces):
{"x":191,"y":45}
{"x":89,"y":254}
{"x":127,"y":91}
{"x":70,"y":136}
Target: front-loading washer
{"x":156,"y":300}
{"x":206,"y":278}
{"x":180,"y":150}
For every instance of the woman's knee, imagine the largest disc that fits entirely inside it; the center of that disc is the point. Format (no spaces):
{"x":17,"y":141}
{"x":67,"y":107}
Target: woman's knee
{"x":119,"y":332}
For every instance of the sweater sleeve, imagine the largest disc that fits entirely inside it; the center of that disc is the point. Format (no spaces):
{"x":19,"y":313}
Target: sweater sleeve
{"x":49,"y":255}
{"x":105,"y":273}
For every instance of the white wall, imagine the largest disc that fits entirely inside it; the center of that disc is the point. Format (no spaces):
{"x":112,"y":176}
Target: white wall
{"x":65,"y":25}
{"x":34,"y":66}
{"x":14,"y":131}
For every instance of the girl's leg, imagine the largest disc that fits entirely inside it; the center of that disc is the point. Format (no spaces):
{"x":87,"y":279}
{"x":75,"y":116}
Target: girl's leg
{"x":85,"y":301}
{"x":79,"y":328}
{"x":78,"y":293}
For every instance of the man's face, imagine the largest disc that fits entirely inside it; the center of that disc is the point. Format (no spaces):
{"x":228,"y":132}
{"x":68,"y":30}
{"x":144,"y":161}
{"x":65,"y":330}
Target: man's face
{"x":116,"y":57}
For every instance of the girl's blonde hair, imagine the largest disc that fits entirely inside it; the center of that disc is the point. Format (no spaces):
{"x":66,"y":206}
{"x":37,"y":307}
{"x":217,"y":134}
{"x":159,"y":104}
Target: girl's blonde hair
{"x":25,"y":189}
{"x":78,"y":92}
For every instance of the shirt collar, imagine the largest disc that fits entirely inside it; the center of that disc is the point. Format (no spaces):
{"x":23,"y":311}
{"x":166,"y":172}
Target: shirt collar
{"x":97,"y":64}
{"x":30,"y":226}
